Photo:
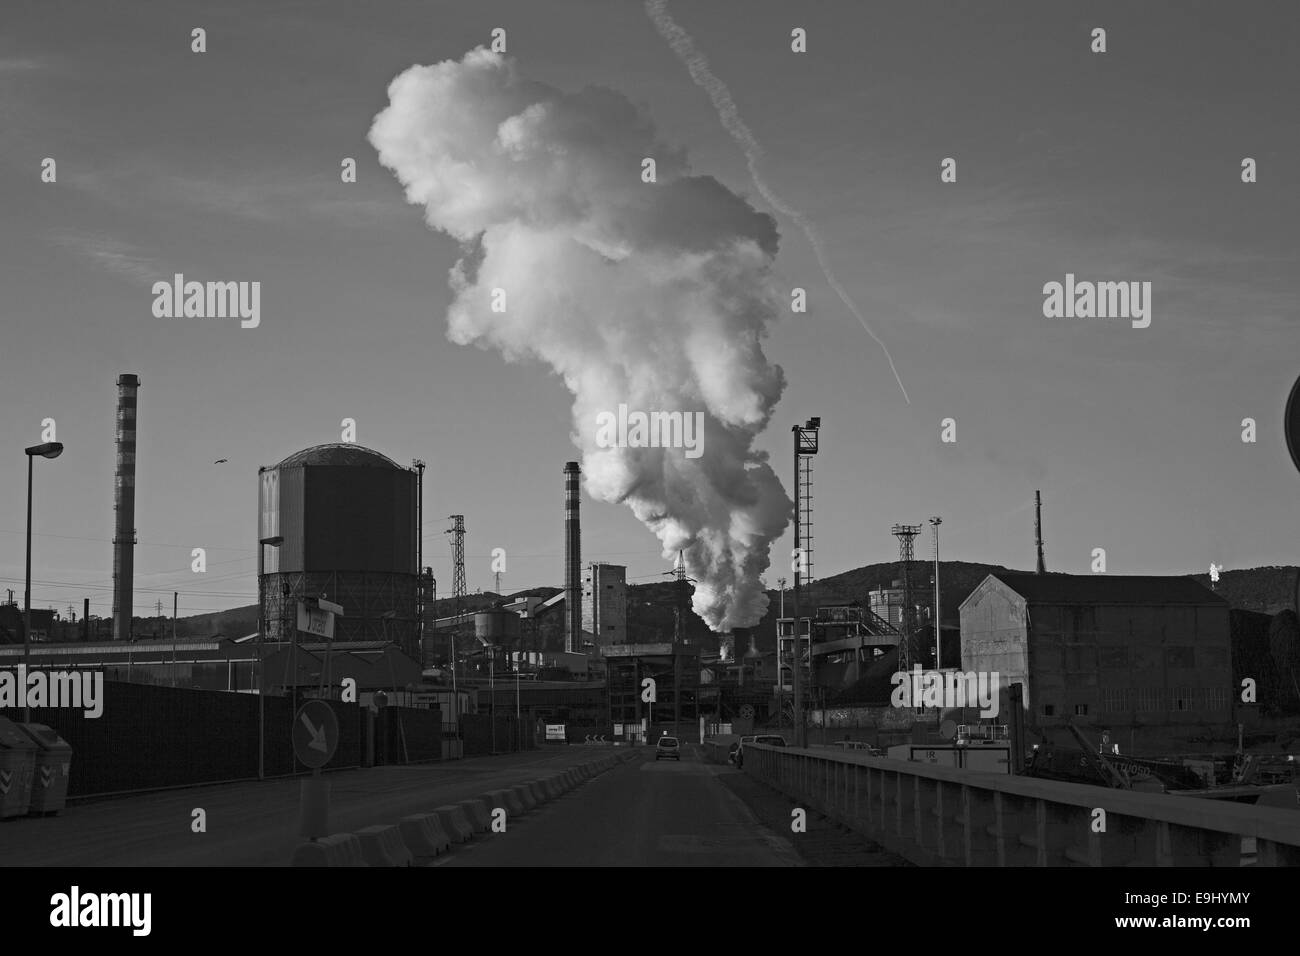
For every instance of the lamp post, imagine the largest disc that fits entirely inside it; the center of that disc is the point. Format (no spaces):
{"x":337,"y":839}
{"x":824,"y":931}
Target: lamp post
{"x":938,"y":639}
{"x":51,"y":449}
{"x":262,"y":545}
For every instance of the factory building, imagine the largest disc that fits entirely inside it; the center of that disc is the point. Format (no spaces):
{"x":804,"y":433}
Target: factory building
{"x":604,"y":604}
{"x":1103,"y":650}
{"x":342,"y":519}
{"x":675,"y":669}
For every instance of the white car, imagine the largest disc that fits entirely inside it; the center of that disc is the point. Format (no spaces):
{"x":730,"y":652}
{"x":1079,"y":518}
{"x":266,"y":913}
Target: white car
{"x":669,"y":748}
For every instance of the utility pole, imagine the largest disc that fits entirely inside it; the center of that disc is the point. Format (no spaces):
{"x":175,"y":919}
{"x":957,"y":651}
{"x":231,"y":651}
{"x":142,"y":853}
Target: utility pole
{"x":938,"y":640}
{"x":457,"y":532}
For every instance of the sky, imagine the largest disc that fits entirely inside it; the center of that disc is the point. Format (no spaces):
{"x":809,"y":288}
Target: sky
{"x":1115,"y":166}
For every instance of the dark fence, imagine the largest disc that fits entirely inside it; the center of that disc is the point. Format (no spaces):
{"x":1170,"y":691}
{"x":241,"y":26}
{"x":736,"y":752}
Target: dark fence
{"x":412,"y":734}
{"x":152,"y":737}
{"x":480,"y":737}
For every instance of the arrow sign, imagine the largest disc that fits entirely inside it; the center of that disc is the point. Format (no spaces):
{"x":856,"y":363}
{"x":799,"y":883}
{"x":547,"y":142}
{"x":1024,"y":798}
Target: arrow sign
{"x":315,"y":733}
{"x":46,"y":774}
{"x":6,"y":777}
{"x":317,"y":741}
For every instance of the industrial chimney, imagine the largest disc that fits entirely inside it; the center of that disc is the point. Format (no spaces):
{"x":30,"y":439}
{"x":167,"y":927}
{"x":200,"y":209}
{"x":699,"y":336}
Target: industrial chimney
{"x":1038,"y":531}
{"x":124,"y":507}
{"x":572,"y":561}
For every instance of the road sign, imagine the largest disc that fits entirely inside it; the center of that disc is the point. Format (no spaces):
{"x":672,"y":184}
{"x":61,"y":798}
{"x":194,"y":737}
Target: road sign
{"x":315,"y":733}
{"x":747,"y":711}
{"x":555,"y":732}
{"x":315,"y":621}
{"x":1292,"y":423}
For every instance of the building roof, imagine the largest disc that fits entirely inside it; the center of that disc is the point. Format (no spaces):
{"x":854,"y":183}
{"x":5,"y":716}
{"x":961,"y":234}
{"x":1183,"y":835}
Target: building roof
{"x":338,"y":453}
{"x":1107,"y":589}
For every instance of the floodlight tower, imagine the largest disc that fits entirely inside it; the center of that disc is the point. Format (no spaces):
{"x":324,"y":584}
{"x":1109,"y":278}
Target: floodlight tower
{"x":906,"y":534}
{"x":805,"y":446}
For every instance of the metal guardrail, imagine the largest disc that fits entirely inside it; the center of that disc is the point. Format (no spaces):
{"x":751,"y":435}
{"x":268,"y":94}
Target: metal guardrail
{"x":934,"y":815}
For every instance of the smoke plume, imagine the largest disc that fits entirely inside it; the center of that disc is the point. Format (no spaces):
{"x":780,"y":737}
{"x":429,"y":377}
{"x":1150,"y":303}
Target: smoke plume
{"x":652,"y":295}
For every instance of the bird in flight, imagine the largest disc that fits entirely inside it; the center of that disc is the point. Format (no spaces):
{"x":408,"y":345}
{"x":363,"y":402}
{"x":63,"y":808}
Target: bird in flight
{"x":221,"y":461}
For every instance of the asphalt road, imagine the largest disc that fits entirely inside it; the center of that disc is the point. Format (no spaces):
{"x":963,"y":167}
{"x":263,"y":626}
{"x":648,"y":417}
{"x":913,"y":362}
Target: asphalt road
{"x":256,"y":824}
{"x":641,"y":813}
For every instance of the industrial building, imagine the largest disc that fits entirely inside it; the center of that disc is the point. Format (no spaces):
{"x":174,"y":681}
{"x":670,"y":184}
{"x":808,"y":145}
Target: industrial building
{"x":1107,"y":650}
{"x":342,"y":524}
{"x":675,"y":669}
{"x":604,"y":604}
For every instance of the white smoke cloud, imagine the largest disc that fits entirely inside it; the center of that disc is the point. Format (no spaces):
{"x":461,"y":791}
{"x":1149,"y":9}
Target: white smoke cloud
{"x":656,"y":296}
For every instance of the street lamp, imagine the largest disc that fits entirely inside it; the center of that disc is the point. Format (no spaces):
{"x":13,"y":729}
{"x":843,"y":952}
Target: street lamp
{"x":51,"y":449}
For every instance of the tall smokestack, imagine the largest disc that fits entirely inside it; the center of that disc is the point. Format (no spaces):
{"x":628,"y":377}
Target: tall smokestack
{"x":124,"y":507}
{"x":1038,"y":531}
{"x":572,"y":561}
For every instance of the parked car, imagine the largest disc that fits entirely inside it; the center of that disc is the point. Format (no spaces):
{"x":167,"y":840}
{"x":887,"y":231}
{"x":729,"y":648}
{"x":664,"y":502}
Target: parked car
{"x":669,"y":748}
{"x":859,"y":745}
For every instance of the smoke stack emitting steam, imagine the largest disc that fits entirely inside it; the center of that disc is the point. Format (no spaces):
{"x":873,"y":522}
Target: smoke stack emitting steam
{"x":124,"y":508}
{"x":654,"y":295}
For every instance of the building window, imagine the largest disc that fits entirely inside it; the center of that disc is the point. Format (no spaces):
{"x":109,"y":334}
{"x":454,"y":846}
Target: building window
{"x":1049,"y":710}
{"x":1081,"y":710}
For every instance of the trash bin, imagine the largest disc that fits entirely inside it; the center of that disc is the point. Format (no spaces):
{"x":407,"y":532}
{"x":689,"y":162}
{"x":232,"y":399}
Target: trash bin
{"x":50,"y":774}
{"x":17,"y":761}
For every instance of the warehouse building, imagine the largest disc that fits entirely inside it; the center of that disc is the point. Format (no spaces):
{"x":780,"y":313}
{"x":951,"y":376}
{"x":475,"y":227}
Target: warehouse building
{"x":1105,"y":650}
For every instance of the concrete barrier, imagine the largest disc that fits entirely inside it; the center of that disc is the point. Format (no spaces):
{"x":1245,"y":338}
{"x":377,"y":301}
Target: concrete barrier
{"x":339,"y":849}
{"x":383,"y":846}
{"x":524,"y":794}
{"x":478,"y":813}
{"x":538,"y":790}
{"x":454,"y":823}
{"x":553,"y":786}
{"x":507,"y":800}
{"x":423,"y":835}
{"x":935,"y":815}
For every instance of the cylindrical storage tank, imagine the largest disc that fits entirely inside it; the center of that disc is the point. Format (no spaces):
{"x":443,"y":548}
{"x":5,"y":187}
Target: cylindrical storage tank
{"x":346,"y":519}
{"x":496,"y":627}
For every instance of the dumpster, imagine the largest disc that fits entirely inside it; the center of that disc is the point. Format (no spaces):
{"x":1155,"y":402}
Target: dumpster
{"x":17,"y":761}
{"x":50,"y":773}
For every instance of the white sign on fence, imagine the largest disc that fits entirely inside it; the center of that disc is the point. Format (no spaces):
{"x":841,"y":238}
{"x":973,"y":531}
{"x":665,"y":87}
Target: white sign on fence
{"x":555,"y":732}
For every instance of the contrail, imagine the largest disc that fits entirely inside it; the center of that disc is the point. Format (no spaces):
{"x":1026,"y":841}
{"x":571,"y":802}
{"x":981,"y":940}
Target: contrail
{"x":698,"y":66}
